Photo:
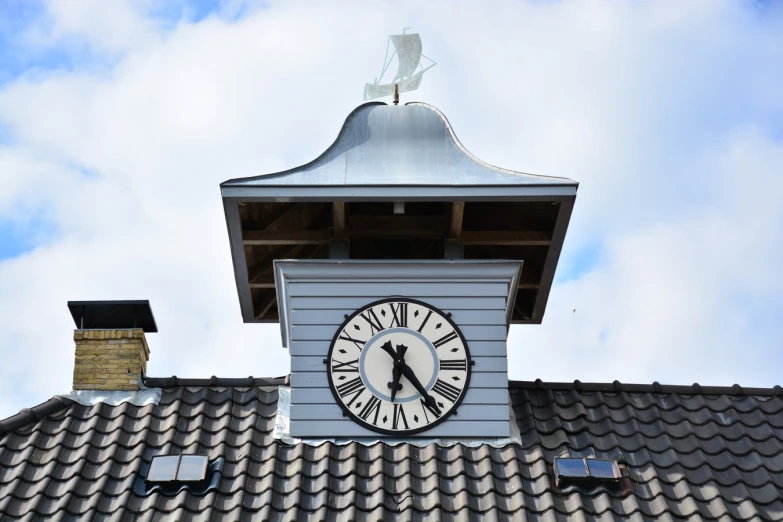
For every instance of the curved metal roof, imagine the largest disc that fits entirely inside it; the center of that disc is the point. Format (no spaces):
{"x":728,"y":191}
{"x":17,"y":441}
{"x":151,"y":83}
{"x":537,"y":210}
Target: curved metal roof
{"x":384,"y":145}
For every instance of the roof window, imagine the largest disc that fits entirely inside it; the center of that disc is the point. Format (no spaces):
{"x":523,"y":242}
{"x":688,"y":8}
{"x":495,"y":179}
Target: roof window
{"x":586,"y":470}
{"x":179,"y":468}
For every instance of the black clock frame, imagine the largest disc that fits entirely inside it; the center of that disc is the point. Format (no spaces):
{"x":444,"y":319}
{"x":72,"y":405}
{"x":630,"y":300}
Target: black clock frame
{"x":347,"y":412}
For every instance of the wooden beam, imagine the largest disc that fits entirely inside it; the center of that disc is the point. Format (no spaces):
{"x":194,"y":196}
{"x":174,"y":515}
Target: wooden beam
{"x":397,"y":226}
{"x":338,"y":213}
{"x":457,"y":211}
{"x":264,"y":267}
{"x":301,"y":216}
{"x":506,"y":238}
{"x":303,"y":237}
{"x":264,"y":306}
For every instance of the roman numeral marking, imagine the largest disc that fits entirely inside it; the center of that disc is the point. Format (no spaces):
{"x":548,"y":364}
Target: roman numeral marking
{"x":445,"y":339}
{"x":347,"y":367}
{"x":375,"y":323}
{"x":426,"y":318}
{"x":446,"y":390}
{"x":399,"y":414}
{"x":454,"y":364}
{"x":372,"y":406}
{"x":427,"y":410}
{"x":347,"y":337}
{"x":351,"y":387}
{"x":399,"y":314}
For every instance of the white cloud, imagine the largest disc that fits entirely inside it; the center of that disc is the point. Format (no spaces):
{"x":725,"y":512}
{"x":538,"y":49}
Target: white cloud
{"x":665,"y":113}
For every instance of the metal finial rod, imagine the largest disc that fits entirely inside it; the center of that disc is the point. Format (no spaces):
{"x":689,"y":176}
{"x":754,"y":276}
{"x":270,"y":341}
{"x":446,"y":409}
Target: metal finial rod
{"x":396,"y":94}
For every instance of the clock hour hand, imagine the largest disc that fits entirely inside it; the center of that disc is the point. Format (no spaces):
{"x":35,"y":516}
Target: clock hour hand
{"x":411,"y":376}
{"x":395,"y":382}
{"x":399,"y":359}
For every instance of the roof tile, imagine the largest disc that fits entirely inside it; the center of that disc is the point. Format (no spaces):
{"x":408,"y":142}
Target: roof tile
{"x":689,"y":456}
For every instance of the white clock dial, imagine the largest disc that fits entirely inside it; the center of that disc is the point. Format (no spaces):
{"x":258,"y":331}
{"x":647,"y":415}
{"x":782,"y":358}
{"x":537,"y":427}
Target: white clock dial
{"x":398,"y":366}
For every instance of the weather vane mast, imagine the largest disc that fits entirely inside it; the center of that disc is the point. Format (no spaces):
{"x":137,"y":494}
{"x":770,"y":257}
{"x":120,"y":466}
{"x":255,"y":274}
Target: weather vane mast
{"x":410,"y":70}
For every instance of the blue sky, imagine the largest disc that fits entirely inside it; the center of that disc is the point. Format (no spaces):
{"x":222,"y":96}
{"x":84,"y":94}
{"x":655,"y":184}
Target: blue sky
{"x":118,"y":120}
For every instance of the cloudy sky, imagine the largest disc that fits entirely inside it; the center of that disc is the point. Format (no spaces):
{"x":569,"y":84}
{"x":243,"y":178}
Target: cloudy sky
{"x":118,"y":121}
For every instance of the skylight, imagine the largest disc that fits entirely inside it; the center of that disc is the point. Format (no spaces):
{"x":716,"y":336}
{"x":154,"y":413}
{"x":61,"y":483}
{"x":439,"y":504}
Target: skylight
{"x":593,"y":470}
{"x":180,"y":468}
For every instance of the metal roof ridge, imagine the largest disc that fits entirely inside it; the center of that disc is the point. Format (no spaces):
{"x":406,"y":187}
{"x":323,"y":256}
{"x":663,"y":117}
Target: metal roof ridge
{"x":478,"y":160}
{"x":654,"y":387}
{"x":223,"y":382}
{"x":30,"y":415}
{"x":241,"y":182}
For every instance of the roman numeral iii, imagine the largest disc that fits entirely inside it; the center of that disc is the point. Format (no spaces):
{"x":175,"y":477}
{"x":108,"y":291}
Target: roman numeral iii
{"x":446,"y":390}
{"x":454,"y":364}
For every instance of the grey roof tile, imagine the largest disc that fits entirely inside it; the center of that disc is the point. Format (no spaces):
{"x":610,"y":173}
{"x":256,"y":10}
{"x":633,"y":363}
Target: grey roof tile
{"x":689,"y":456}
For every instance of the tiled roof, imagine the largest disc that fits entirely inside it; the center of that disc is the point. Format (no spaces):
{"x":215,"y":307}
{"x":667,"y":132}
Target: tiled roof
{"x":709,"y":454}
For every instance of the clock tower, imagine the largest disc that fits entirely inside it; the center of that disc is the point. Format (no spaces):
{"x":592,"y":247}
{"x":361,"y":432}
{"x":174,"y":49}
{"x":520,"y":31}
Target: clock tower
{"x":395,"y":263}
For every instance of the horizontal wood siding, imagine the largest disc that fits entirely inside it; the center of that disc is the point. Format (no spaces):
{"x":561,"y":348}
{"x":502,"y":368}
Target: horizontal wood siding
{"x":318,"y":308}
{"x":334,"y":412}
{"x":452,"y":428}
{"x":353,"y":303}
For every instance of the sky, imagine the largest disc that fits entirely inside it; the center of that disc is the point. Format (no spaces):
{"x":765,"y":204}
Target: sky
{"x":119,"y":120}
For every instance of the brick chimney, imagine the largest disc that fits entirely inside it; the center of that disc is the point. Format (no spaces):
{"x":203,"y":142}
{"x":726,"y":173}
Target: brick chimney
{"x":111,"y":348}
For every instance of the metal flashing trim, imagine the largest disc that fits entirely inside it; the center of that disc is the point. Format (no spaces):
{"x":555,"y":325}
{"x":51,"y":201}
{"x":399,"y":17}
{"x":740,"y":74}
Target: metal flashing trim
{"x":331,"y":194}
{"x":115,"y":398}
{"x":655,"y":387}
{"x":282,"y":425}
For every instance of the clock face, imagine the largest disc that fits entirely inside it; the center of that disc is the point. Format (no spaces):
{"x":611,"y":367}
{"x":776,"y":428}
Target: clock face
{"x":398,"y":366}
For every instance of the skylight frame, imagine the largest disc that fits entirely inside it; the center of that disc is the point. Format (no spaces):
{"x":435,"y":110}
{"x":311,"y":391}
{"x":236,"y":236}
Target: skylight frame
{"x":589,"y":476}
{"x":195,"y":471}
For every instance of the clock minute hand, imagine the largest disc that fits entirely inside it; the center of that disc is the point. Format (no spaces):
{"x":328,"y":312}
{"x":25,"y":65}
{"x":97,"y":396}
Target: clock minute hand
{"x":411,"y":376}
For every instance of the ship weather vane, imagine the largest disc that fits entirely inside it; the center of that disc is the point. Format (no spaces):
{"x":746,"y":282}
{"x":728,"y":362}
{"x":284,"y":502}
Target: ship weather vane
{"x":410,"y":70}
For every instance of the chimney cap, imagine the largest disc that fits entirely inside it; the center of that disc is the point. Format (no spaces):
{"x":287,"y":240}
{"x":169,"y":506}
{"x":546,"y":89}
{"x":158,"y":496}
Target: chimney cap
{"x":107,"y":315}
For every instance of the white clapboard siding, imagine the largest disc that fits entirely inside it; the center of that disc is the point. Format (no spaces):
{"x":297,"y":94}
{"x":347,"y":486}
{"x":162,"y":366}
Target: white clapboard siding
{"x":354,"y":303}
{"x":319,"y":297}
{"x":334,"y":412}
{"x":454,"y":427}
{"x":421,"y":289}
